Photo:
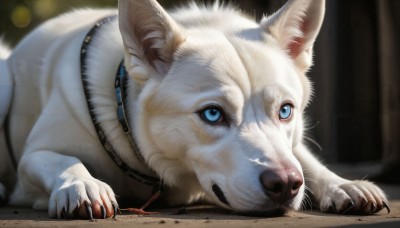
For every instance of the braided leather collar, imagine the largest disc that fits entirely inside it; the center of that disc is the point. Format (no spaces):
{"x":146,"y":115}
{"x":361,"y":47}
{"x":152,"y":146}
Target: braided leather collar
{"x":120,"y":89}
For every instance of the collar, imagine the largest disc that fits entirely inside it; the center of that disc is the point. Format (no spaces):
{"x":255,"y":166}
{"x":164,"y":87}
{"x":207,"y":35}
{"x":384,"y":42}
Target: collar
{"x":121,"y":80}
{"x":120,"y":93}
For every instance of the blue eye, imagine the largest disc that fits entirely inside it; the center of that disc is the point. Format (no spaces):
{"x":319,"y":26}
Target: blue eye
{"x":212,"y":115}
{"x":285,"y":112}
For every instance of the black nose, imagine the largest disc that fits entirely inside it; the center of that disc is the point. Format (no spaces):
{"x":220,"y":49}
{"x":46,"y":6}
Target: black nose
{"x":281,"y":185}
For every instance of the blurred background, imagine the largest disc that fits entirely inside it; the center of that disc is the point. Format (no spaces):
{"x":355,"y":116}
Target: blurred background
{"x":355,"y":114}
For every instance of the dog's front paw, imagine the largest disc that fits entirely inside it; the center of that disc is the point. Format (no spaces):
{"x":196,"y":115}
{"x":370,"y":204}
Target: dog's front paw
{"x":83,"y":198}
{"x":353,"y":197}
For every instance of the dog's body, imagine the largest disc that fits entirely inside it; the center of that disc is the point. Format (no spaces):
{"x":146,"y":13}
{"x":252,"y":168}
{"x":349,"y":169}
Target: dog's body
{"x":215,"y":103}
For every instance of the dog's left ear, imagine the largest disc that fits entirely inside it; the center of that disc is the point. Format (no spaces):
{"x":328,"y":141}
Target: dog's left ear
{"x":150,"y":37}
{"x":296,"y":26}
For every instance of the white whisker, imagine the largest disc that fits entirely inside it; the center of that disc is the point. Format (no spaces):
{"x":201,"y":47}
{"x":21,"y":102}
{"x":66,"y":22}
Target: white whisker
{"x":313,"y":142}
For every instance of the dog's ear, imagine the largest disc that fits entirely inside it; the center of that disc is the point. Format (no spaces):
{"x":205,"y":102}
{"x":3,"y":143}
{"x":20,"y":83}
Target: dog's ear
{"x":295,"y":26}
{"x":150,"y":37}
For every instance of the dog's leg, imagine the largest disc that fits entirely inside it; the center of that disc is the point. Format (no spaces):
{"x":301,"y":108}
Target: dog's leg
{"x":73,"y":192}
{"x":338,"y":195}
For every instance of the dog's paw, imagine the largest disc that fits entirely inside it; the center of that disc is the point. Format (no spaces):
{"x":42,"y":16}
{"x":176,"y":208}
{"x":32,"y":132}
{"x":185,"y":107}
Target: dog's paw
{"x":83,"y":198}
{"x":354,"y":197}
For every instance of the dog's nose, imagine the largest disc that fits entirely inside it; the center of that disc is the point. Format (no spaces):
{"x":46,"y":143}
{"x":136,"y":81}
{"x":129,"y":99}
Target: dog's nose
{"x":281,"y":185}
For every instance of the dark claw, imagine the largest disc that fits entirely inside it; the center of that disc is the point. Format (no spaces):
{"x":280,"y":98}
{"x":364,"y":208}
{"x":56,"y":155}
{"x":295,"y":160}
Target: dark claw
{"x":385,"y":205}
{"x":64,"y":214}
{"x":103,"y":212}
{"x":89,"y":211}
{"x":373,"y":208}
{"x":349,"y":207}
{"x":332,"y":208}
{"x":364,"y":203}
{"x":116,"y":209}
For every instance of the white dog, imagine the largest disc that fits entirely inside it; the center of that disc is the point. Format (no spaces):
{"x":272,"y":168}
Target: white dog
{"x":210,"y":107}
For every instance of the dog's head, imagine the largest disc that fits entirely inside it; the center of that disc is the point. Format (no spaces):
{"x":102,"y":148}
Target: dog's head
{"x":221,"y":98}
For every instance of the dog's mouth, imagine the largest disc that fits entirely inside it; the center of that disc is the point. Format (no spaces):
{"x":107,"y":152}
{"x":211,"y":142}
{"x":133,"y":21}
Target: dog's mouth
{"x":219,"y":194}
{"x":276,"y":211}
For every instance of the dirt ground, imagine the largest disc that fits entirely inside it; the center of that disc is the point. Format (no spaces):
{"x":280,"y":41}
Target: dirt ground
{"x":208,"y":216}
{"x":204,"y":217}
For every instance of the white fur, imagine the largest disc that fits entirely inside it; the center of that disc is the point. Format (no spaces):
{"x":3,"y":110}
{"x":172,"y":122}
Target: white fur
{"x":180,"y":63}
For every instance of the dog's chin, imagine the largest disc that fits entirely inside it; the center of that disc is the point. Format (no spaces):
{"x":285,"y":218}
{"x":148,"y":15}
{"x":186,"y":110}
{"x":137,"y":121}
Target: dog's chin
{"x":269,"y":210}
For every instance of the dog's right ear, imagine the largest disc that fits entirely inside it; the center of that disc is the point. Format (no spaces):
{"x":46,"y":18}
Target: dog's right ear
{"x":295,"y":27}
{"x":150,"y":37}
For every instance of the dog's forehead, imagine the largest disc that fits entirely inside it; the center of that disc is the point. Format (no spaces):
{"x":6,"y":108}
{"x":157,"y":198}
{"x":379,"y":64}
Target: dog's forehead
{"x":252,"y":66}
{"x":210,"y":60}
{"x":269,"y":68}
